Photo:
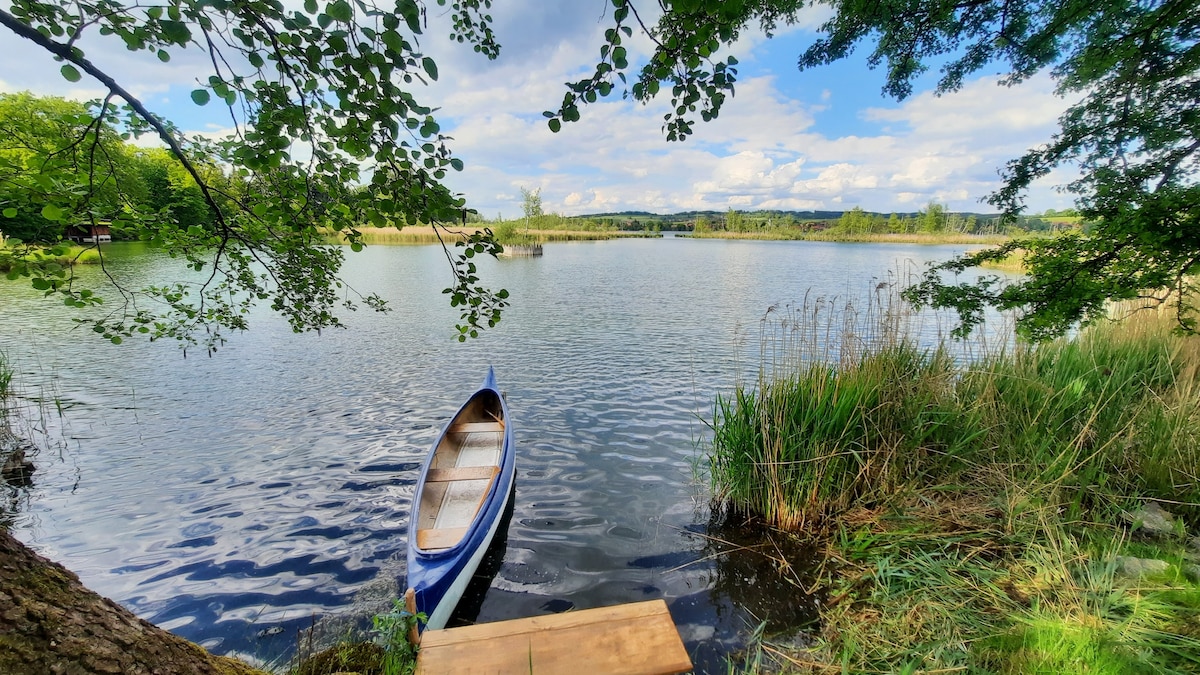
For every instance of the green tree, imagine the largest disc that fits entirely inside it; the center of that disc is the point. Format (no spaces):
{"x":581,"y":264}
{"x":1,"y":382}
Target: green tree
{"x":531,"y":203}
{"x":893,"y":224}
{"x":58,"y":166}
{"x":933,"y":218}
{"x":335,"y":78}
{"x":172,"y":193}
{"x":854,"y":221}
{"x":1133,"y":65}
{"x":734,"y":221}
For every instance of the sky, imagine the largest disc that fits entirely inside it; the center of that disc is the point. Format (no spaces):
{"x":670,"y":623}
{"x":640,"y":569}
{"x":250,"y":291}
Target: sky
{"x":823,"y":139}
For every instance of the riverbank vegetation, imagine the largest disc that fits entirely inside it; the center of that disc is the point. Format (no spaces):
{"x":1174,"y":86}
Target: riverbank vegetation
{"x":934,"y":224}
{"x":994,"y":513}
{"x":538,"y":227}
{"x":507,"y":232}
{"x":18,"y":256}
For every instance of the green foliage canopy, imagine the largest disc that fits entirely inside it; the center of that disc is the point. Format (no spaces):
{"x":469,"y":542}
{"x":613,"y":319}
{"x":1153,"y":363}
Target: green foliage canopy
{"x":335,"y":77}
{"x":319,"y":95}
{"x":1134,"y":132}
{"x":56,"y":159}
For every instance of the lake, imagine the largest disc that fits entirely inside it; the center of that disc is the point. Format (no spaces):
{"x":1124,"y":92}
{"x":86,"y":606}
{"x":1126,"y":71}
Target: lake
{"x":240,"y":499}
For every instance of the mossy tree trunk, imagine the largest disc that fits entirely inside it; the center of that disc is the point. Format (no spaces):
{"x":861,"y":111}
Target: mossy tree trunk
{"x":50,"y":623}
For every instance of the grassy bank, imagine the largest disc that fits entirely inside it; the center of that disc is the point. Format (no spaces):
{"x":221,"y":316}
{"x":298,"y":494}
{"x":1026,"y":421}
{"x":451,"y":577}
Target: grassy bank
{"x":63,"y":255}
{"x":982,"y":517}
{"x":794,"y":234}
{"x":509,"y":233}
{"x":1013,"y":263}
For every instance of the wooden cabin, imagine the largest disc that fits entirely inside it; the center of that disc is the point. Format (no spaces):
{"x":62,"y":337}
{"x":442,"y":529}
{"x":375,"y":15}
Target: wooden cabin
{"x":89,"y":234}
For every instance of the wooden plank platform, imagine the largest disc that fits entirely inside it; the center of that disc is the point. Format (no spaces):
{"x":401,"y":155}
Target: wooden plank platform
{"x":633,"y":639}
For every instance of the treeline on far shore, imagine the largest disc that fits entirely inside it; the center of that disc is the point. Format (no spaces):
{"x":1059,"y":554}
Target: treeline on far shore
{"x":934,"y":223}
{"x":934,"y":220}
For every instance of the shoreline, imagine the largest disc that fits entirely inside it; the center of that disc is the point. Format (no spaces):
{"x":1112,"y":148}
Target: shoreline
{"x":883,"y":238}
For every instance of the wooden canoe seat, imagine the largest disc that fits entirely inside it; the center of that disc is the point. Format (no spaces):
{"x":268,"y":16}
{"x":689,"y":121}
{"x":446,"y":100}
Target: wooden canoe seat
{"x":432,"y":540}
{"x":462,"y":473}
{"x":472,"y":427}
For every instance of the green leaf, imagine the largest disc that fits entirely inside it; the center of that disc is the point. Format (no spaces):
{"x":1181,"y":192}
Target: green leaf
{"x":116,"y":339}
{"x":555,"y":125}
{"x":618,"y":58}
{"x":175,"y":31}
{"x":411,"y":13}
{"x":430,"y":67}
{"x":340,"y":11}
{"x":70,"y":73}
{"x":52,"y":212}
{"x":10,"y":212}
{"x":200,"y":96}
{"x":310,"y":6}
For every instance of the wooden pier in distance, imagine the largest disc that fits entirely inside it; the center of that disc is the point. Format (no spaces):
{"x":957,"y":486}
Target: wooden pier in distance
{"x":634,"y":639}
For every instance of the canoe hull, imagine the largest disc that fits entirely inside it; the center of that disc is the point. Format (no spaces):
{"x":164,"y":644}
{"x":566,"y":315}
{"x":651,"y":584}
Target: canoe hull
{"x":439,"y":576}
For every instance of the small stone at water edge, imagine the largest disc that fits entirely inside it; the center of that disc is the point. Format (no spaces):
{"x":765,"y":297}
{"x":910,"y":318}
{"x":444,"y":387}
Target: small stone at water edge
{"x":1136,"y":568}
{"x":1192,"y":572}
{"x":1151,"y":518}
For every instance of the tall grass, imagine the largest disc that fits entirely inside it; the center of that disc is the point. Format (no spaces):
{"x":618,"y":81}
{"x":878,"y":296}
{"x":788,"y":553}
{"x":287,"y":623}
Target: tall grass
{"x":973,"y":507}
{"x":847,"y":408}
{"x":6,"y":383}
{"x":1117,"y":406}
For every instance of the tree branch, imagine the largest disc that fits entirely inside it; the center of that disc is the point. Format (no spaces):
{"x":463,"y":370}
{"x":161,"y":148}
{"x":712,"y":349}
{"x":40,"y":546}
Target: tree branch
{"x":66,"y":53}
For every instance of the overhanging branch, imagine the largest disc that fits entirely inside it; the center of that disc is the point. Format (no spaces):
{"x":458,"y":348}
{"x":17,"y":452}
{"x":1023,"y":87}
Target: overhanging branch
{"x":67,"y":53}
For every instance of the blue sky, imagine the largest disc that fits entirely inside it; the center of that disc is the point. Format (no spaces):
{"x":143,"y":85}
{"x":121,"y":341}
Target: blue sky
{"x":821,"y":139}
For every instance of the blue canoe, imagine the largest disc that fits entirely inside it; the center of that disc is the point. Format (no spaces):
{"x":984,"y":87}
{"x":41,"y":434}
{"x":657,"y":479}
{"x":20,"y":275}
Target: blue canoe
{"x":460,"y":498}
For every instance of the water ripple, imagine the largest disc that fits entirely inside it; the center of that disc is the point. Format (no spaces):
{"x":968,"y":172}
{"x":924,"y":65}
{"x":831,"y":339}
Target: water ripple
{"x":236,"y":499}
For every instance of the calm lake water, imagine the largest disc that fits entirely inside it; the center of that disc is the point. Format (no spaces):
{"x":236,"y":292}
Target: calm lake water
{"x":239,"y":499}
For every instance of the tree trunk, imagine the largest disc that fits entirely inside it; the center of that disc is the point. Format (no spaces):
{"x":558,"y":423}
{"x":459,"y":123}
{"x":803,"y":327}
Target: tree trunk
{"x":50,"y":623}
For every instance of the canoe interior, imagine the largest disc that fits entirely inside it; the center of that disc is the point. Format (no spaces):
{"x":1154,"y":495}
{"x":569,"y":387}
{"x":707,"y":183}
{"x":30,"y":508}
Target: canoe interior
{"x":465,"y":463}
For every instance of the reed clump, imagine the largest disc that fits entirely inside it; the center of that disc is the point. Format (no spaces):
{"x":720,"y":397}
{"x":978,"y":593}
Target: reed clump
{"x":1117,"y":405}
{"x":975,"y":504}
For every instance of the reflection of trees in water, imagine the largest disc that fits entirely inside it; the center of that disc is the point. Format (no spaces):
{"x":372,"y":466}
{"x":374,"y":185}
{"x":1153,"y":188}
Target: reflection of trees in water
{"x":764,"y":571}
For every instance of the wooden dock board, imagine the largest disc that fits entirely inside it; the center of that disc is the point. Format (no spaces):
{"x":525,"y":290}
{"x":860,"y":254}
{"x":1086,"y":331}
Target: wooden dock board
{"x":633,"y":639}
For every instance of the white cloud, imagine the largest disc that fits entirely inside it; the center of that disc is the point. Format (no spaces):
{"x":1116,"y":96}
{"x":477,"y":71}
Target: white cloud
{"x":767,"y":151}
{"x":769,"y":148}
